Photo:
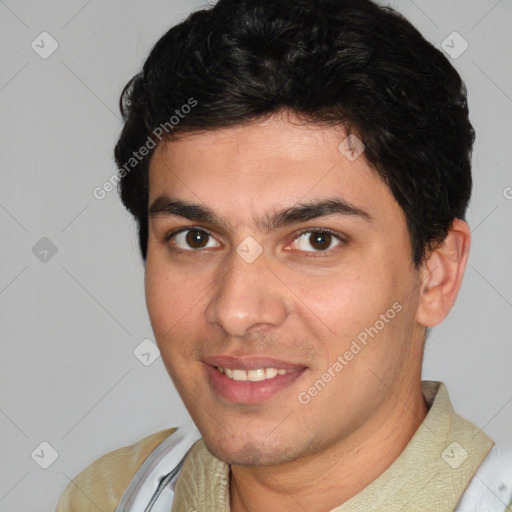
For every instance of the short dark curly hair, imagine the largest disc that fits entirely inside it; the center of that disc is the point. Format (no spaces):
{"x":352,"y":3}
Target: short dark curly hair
{"x":341,"y":62}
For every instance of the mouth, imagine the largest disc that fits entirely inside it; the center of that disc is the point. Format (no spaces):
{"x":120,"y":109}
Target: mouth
{"x":251,"y":381}
{"x":251,"y":375}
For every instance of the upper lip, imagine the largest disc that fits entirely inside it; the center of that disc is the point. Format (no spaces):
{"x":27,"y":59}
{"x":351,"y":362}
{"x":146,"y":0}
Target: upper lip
{"x":250,"y":362}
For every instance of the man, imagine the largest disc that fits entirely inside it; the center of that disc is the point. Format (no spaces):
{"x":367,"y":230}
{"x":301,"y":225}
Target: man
{"x":299,"y":171}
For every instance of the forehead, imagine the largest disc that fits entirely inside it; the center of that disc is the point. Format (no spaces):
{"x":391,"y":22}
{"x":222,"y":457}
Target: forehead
{"x":246,"y":171}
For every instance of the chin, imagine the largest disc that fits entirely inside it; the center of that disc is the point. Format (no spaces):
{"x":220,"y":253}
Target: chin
{"x":249,"y":452}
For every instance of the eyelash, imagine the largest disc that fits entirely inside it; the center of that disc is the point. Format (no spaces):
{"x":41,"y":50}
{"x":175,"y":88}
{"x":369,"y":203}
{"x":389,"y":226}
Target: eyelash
{"x":341,"y":238}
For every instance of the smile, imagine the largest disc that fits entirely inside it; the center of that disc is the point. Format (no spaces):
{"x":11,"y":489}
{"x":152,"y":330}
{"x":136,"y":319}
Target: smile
{"x":251,"y":385}
{"x":256,"y":375}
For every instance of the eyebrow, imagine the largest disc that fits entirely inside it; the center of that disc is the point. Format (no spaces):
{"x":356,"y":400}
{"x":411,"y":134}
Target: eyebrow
{"x":166,"y":205}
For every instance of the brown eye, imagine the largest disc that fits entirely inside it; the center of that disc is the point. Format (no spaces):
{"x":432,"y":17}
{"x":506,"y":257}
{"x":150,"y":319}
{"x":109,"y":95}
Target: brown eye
{"x":191,"y":239}
{"x":196,"y":239}
{"x":319,"y":240}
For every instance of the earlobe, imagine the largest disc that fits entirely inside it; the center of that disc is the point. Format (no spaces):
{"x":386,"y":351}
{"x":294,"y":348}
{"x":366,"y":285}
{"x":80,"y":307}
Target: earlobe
{"x":441,"y":275}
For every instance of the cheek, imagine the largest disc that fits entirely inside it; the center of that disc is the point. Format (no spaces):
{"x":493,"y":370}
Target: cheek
{"x":173,"y":306}
{"x":348,"y":305}
{"x":172,"y":299}
{"x":340,"y":302}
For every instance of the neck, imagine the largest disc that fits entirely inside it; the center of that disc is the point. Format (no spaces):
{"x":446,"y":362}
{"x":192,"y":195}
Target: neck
{"x":325,"y":480}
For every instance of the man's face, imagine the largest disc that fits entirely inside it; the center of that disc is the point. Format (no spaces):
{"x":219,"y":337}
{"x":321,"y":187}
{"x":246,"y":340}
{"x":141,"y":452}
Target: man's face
{"x":235,"y":293}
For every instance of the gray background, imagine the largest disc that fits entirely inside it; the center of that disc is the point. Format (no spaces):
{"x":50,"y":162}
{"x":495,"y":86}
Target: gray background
{"x":71,"y":321}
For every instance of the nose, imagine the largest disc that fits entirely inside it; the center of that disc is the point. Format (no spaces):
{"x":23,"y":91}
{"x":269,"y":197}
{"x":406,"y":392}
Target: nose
{"x":248,"y":297}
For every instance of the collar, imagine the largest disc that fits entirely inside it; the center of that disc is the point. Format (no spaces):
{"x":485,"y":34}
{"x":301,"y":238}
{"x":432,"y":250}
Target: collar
{"x":431,"y":473}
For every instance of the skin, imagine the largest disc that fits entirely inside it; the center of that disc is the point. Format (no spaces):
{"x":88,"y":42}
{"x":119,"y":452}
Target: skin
{"x":295,"y":303}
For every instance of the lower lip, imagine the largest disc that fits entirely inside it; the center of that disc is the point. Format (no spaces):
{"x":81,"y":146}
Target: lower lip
{"x":247,"y":392}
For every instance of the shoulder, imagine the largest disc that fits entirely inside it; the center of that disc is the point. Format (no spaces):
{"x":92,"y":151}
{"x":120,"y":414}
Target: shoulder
{"x":101,"y":485}
{"x":491,"y":487}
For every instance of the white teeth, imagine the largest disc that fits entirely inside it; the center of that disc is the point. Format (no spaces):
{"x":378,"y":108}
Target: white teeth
{"x":272,"y":372}
{"x":239,"y":375}
{"x":251,"y":375}
{"x":256,"y":375}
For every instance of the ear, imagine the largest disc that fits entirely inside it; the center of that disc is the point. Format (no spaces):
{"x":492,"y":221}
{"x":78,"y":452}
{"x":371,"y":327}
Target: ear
{"x":441,"y":275}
